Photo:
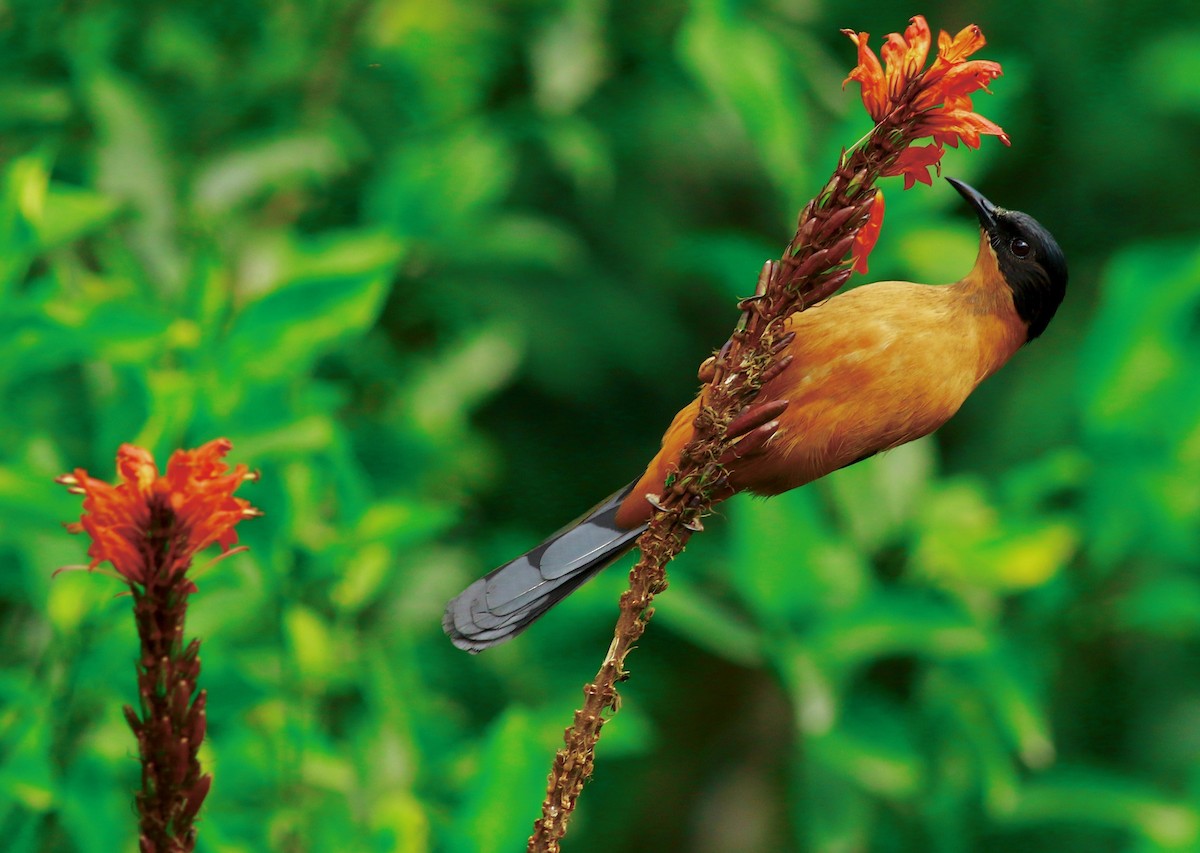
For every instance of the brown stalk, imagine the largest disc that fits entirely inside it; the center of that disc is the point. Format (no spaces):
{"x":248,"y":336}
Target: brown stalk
{"x":172,"y":720}
{"x":813,"y":266}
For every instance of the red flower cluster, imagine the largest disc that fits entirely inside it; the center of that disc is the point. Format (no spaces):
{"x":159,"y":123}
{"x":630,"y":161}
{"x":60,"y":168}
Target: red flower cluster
{"x":147,"y":520}
{"x":933,"y":102}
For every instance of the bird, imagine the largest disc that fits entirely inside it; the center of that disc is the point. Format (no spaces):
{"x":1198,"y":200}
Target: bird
{"x":872,"y":368}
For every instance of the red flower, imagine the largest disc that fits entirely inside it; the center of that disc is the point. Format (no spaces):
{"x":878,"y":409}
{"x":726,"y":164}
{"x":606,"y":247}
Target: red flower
{"x":905,"y":55}
{"x":955,"y":83}
{"x":867,"y":235}
{"x":914,"y":162}
{"x":949,"y":126}
{"x":933,"y":102}
{"x":951,"y":50}
{"x":147,"y":521}
{"x":869,"y":74}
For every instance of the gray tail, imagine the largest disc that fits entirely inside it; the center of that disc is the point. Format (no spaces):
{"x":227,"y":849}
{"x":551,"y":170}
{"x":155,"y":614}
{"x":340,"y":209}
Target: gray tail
{"x":506,"y":601}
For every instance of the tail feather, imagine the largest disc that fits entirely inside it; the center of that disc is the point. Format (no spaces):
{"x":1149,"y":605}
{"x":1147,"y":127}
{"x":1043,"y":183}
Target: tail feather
{"x":508,"y":599}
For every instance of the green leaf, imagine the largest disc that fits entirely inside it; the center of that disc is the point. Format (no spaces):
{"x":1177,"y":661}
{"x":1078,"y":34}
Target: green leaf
{"x":70,"y":213}
{"x":319,"y":652}
{"x":711,"y":626}
{"x":438,"y":188}
{"x":23,"y":187}
{"x":899,"y":623}
{"x":1101,"y":799}
{"x":333,"y":296}
{"x":749,"y":71}
{"x":871,"y":750}
{"x":1165,"y":606}
{"x":795,"y":566}
{"x":964,"y":541}
{"x":1167,"y":69}
{"x":278,"y":165}
{"x":132,"y":166}
{"x":442,"y":393}
{"x":880,"y":496}
{"x":26,"y":775}
{"x":509,"y":780}
{"x":939,"y":255}
{"x":1139,"y":352}
{"x":568,"y":57}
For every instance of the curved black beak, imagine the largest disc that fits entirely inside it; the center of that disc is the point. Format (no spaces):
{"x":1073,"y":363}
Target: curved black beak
{"x":984,"y":209}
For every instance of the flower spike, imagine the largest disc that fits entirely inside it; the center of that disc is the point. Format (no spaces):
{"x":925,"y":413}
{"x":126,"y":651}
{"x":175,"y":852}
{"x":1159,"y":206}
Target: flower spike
{"x":919,"y":102}
{"x":150,"y":526}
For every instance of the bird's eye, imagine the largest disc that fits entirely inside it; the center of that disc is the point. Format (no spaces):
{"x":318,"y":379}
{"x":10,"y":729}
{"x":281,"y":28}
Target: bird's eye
{"x":1019,"y":247}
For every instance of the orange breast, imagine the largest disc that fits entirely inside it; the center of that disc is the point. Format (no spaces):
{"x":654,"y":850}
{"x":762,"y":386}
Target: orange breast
{"x":872,"y":369}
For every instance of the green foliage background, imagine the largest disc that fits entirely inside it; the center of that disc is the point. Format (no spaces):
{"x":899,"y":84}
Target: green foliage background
{"x":443,"y":271}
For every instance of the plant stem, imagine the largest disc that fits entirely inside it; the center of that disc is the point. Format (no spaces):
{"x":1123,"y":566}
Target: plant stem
{"x":811,"y":269}
{"x":172,"y":721}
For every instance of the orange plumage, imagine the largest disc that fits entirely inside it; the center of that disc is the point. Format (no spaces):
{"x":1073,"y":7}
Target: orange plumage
{"x":871,"y":369}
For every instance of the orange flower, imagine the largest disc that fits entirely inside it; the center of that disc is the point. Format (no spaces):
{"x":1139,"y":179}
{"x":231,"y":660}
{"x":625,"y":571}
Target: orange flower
{"x":148,"y":522}
{"x":952,"y":51}
{"x":956,"y":82}
{"x":866,"y":236}
{"x":949,"y":126}
{"x":914,"y":162}
{"x":905,"y":55}
{"x":919,"y":102}
{"x":869,"y":74}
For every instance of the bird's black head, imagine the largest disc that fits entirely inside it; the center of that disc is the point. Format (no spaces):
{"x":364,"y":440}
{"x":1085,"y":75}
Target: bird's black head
{"x":1029,"y":258}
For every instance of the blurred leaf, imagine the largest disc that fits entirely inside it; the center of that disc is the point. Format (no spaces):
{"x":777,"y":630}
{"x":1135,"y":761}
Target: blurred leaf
{"x":907,"y":624}
{"x":1167,"y":606}
{"x":1139,"y":355}
{"x":796,"y":567}
{"x":934,"y":254}
{"x":871,"y":750}
{"x":582,"y":152}
{"x":72,"y":597}
{"x":273,"y":166}
{"x":964,"y":540}
{"x":438,"y":187}
{"x":511,"y":774}
{"x":400,"y":819}
{"x":710,"y":626}
{"x":1142,"y":339}
{"x":26,"y":774}
{"x":318,"y":653}
{"x":24,"y":187}
{"x":31,"y":101}
{"x":568,"y":58}
{"x":71,"y":213}
{"x":1099,"y":799}
{"x":337,"y":297}
{"x":879,"y":496}
{"x":443,"y":392}
{"x":749,"y":73}
{"x":24,"y":499}
{"x":132,"y":166}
